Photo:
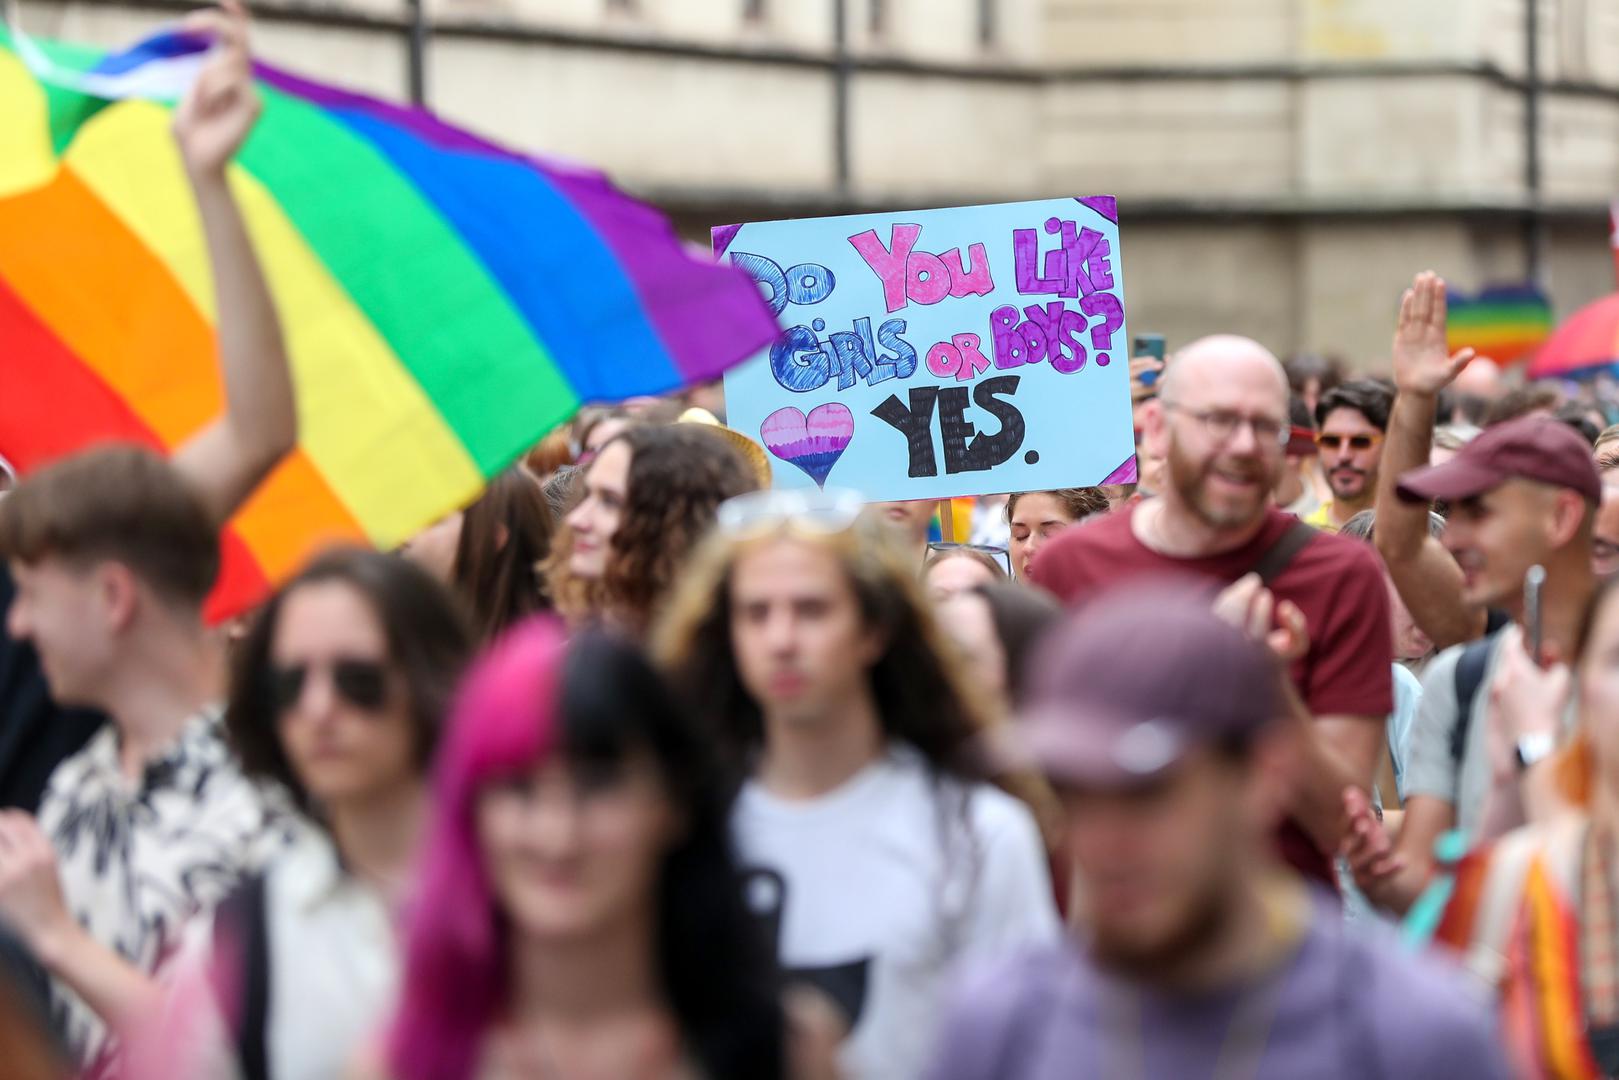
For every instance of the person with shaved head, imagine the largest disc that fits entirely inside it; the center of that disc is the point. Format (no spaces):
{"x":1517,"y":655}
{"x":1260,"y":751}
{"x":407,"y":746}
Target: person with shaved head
{"x":1317,"y":599}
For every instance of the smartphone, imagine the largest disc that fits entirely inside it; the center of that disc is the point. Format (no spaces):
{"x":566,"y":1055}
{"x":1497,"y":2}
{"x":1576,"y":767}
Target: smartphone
{"x":1533,"y":581}
{"x":1149,"y":345}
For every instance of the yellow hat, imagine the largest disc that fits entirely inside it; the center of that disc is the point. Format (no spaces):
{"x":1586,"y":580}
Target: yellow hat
{"x":751,"y":452}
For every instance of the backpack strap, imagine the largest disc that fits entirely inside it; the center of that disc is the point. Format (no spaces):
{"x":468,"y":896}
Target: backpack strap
{"x":1276,"y":558}
{"x":241,"y":943}
{"x":1470,"y":667}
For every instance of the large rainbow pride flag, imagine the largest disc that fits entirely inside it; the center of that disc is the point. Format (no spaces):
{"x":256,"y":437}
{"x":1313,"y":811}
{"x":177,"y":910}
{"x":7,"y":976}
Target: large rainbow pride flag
{"x":445,"y":301}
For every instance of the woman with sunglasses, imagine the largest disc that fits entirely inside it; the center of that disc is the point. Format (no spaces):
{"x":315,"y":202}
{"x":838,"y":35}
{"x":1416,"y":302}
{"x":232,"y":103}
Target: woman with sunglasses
{"x":580,"y":914}
{"x":644,"y":502}
{"x":1037,"y":516}
{"x":338,"y":695}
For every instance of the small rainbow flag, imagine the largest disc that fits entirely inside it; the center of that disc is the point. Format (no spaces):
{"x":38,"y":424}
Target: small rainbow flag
{"x":1505,"y":323}
{"x":445,"y":301}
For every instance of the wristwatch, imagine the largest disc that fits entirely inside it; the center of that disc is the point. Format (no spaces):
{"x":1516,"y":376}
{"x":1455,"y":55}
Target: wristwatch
{"x":1534,"y":747}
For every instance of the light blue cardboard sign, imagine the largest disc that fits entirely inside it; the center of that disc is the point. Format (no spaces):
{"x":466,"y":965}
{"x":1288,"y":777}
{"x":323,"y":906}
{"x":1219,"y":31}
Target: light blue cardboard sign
{"x":937,"y":353}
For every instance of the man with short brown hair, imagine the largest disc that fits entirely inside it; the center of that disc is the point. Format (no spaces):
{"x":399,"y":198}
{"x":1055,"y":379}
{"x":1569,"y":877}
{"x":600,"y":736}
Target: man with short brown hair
{"x":151,"y":823}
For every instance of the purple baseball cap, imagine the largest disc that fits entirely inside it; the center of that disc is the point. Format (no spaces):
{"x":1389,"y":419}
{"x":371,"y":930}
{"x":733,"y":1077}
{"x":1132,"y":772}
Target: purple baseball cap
{"x":1132,"y":682}
{"x":1529,"y":448}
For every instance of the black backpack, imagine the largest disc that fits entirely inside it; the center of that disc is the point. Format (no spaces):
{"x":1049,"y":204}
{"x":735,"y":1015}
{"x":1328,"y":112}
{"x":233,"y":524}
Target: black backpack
{"x":1469,"y":681}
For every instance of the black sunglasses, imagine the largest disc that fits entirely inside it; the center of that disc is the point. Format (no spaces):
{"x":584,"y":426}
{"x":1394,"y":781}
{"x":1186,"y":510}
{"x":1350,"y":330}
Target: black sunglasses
{"x":1356,"y":442}
{"x":361,"y":683}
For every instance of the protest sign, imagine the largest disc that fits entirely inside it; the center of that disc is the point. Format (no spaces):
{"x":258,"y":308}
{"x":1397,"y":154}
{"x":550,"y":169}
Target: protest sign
{"x":936,"y":353}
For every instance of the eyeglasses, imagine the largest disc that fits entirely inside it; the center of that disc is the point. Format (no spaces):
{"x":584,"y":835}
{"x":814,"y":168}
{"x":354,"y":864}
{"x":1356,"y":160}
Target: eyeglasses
{"x":999,"y":554}
{"x":361,"y":683}
{"x":1356,"y":442}
{"x":816,"y":512}
{"x":1222,"y":424}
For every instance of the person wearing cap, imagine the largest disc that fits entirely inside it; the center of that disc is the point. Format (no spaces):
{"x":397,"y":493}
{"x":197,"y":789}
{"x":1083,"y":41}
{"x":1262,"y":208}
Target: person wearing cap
{"x":1197,"y":951}
{"x":801,"y":634}
{"x":1222,"y":426}
{"x":1523,"y":494}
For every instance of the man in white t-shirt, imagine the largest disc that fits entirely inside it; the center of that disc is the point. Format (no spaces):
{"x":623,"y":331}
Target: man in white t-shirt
{"x":804,"y":638}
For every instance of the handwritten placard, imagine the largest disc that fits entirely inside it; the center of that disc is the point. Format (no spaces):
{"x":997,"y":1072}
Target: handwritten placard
{"x":940,"y":352}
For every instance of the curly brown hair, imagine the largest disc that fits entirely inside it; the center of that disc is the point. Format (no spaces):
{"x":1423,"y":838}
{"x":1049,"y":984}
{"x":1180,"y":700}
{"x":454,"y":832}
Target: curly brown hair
{"x":679,"y":475}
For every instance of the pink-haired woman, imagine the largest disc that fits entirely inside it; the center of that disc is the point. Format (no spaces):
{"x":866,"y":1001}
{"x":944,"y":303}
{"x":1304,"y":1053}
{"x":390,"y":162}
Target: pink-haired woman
{"x":580,"y":913}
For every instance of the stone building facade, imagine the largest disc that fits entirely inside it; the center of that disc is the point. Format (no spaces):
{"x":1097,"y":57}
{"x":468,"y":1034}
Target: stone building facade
{"x":1282,"y":166}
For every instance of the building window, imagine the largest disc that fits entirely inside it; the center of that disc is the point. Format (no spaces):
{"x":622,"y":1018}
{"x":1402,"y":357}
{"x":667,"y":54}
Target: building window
{"x":986,"y":22}
{"x":878,"y":17}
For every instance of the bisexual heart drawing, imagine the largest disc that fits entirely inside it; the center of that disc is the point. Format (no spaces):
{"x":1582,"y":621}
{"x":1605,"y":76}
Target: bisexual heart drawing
{"x":814,"y":442}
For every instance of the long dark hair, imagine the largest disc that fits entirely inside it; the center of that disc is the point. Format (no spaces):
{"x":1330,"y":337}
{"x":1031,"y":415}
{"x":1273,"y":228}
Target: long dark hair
{"x":1022,"y":616}
{"x":920,"y":698}
{"x":428,"y":642}
{"x":596,"y":701}
{"x":504,"y":537}
{"x":717,"y":964}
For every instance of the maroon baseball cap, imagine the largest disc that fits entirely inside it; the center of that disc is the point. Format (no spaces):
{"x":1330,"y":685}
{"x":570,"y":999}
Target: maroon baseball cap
{"x":1128,"y":684}
{"x":1529,"y":448}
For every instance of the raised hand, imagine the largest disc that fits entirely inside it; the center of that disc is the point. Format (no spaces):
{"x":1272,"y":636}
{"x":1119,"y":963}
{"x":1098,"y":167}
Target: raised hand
{"x":221,"y":107}
{"x":1422,"y":360}
{"x":1139,"y":366}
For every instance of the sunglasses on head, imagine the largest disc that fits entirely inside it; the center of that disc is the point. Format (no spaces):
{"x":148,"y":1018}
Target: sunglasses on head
{"x":1356,"y":442}
{"x":815,"y":512}
{"x":361,"y":683}
{"x":994,"y":551}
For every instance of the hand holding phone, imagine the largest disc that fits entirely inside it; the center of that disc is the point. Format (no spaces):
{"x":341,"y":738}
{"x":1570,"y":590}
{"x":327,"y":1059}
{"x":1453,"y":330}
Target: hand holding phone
{"x":1150,"y":345}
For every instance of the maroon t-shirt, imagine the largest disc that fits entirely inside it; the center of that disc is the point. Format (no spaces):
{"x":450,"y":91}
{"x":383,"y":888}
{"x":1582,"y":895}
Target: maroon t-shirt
{"x":1336,"y":582}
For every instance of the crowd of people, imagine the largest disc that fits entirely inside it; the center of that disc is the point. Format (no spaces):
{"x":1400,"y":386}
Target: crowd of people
{"x":1292,"y":759}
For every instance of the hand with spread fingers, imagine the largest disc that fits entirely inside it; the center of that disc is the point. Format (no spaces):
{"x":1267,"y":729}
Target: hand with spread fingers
{"x":1423,"y":363}
{"x":213,"y":119}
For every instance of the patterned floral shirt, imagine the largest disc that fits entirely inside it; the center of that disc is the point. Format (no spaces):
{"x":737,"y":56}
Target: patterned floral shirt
{"x":140,"y":862}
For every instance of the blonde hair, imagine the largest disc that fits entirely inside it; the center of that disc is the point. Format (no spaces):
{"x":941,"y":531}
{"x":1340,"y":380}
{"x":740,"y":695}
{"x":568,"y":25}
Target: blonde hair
{"x":920,"y":695}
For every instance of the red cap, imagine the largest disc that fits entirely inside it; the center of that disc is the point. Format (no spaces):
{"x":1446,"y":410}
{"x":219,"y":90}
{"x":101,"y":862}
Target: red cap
{"x":1530,"y":448}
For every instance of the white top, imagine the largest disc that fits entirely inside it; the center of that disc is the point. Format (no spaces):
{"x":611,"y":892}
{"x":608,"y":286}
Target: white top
{"x":885,"y":884}
{"x":334,"y":968}
{"x":141,"y":861}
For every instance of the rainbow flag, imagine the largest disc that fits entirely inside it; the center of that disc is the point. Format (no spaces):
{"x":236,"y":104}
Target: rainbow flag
{"x":1505,"y":323}
{"x":445,"y":301}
